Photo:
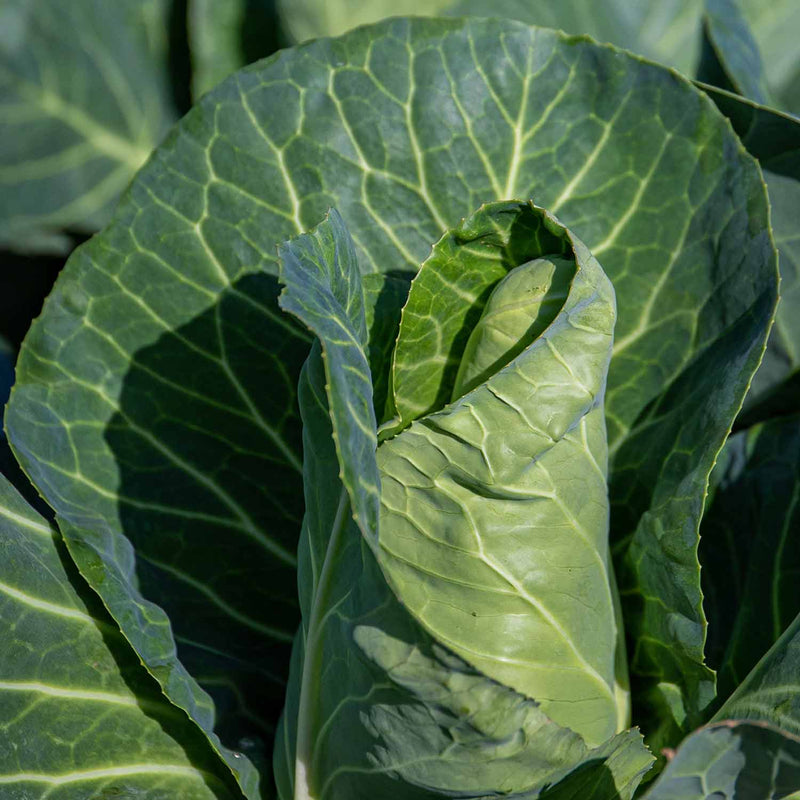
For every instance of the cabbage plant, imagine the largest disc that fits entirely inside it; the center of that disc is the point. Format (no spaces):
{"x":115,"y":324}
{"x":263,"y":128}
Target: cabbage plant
{"x":376,"y":430}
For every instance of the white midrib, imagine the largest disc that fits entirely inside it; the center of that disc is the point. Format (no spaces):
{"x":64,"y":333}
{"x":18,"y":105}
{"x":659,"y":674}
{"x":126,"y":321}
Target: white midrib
{"x":306,"y":715}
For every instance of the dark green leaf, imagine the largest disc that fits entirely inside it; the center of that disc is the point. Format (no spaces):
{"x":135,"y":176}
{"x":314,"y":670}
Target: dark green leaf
{"x":771,"y":691}
{"x":6,"y":370}
{"x":775,"y":24}
{"x":665,"y":32}
{"x":777,"y":378}
{"x":323,"y":290}
{"x":749,"y":548}
{"x":769,"y":135}
{"x":384,"y":295}
{"x":741,"y":34}
{"x":730,"y":57}
{"x":774,"y":138}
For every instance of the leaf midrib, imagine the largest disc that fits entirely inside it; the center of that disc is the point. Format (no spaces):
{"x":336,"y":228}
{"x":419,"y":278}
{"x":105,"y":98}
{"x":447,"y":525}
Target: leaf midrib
{"x":306,"y":715}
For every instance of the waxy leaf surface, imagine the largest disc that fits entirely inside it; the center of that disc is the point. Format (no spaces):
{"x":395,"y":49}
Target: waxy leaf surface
{"x":770,"y":691}
{"x":730,"y":57}
{"x":79,"y":715}
{"x":774,"y":25}
{"x":484,"y":534}
{"x":774,"y":139}
{"x":155,"y":403}
{"x":376,"y":706}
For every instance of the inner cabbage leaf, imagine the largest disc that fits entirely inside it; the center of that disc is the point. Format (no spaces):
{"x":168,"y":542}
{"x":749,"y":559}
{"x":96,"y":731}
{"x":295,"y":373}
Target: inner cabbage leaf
{"x":460,"y":628}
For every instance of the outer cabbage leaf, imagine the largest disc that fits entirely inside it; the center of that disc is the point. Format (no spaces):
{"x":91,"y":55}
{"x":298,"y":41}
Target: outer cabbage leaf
{"x":155,"y":396}
{"x":732,"y":761}
{"x":769,"y":135}
{"x":752,"y":560}
{"x":665,"y":32}
{"x":773,"y":138}
{"x":771,"y":691}
{"x":377,"y":707}
{"x":668,"y":33}
{"x":776,"y":386}
{"x":79,"y":715}
{"x":84,"y":99}
{"x":753,"y":40}
{"x":749,"y":548}
{"x":730,"y":56}
{"x":738,"y":53}
{"x":384,"y":296}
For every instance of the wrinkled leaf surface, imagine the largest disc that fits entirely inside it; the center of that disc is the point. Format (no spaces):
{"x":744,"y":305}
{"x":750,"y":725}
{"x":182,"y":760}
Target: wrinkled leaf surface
{"x":155,"y":402}
{"x":376,"y":707}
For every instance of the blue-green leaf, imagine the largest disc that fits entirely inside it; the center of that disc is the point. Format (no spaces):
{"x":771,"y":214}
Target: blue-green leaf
{"x":732,"y":761}
{"x":80,"y":717}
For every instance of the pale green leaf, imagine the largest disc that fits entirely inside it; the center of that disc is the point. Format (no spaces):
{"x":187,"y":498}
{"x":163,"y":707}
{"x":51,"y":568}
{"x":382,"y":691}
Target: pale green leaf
{"x":449,"y":294}
{"x":84,"y":98}
{"x":376,"y":707}
{"x":527,"y":299}
{"x":483,"y":536}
